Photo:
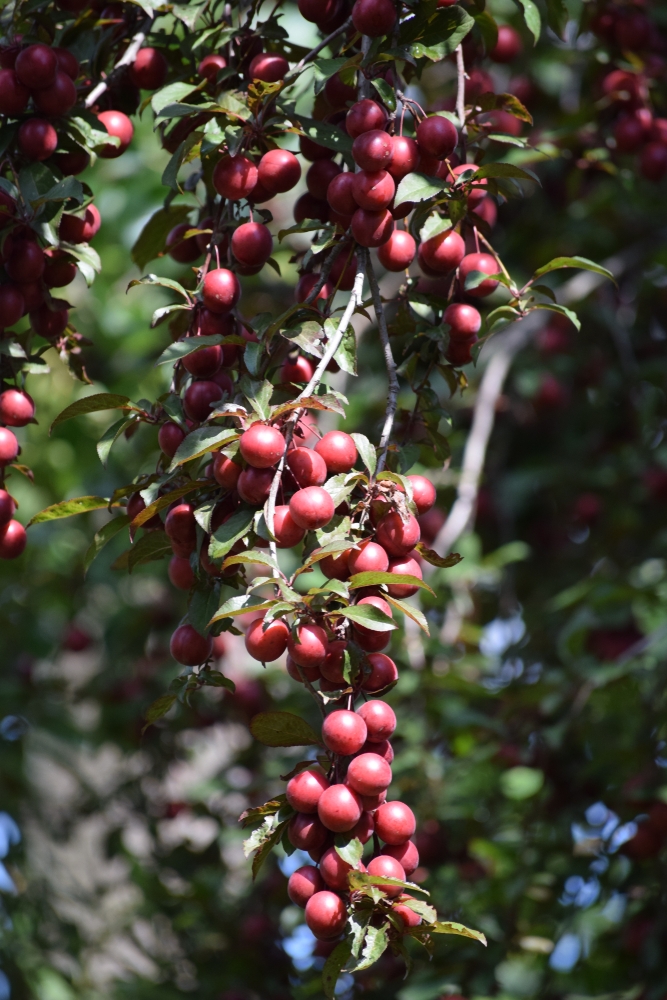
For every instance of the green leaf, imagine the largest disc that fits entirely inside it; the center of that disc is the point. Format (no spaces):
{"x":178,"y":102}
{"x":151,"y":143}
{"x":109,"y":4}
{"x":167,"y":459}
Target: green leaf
{"x":488,"y":28}
{"x":334,"y":966}
{"x":418,"y":187}
{"x":350,"y":851}
{"x":68,"y":188}
{"x":346,"y":352}
{"x":414,"y":613}
{"x":561,"y":310}
{"x":257,"y":813}
{"x":152,"y":239}
{"x":158,"y":709}
{"x":231,"y":531}
{"x":266,"y":848}
{"x":110,"y":436}
{"x":369,"y":616}
{"x":326,"y":135}
{"x":432,"y":557}
{"x":202,"y":606}
{"x":424,"y":909}
{"x":67,"y":508}
{"x":449,"y":927}
{"x":579,"y":262}
{"x":520,"y":783}
{"x":367,"y":452}
{"x":241,"y":604}
{"x":362,"y":880}
{"x":165,"y":501}
{"x":104,"y":535}
{"x":151,"y":546}
{"x":200,"y":442}
{"x":154,"y":279}
{"x":557,"y":15}
{"x":93,"y":404}
{"x":386,"y":92}
{"x":171,"y":94}
{"x":283,"y":729}
{"x":330,"y":549}
{"x":504,"y":170}
{"x":339,"y":487}
{"x":374,"y":579}
{"x":182,"y":348}
{"x":532,"y":18}
{"x":375,"y":944}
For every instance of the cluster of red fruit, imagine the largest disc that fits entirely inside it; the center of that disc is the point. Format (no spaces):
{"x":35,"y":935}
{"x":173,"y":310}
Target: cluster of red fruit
{"x":16,"y":410}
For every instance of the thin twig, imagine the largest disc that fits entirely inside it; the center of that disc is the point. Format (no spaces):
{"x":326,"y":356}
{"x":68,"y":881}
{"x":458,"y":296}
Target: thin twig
{"x":461,"y":98}
{"x":126,"y":59}
{"x":312,"y":690}
{"x":318,"y":48}
{"x":390,"y":364}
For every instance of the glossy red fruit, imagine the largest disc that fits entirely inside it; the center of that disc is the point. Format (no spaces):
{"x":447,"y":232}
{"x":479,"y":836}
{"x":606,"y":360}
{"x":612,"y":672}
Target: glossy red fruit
{"x":404,"y":157}
{"x":436,"y":136}
{"x":59,"y":270}
{"x":343,"y":272}
{"x":338,"y":94}
{"x":204,"y":362}
{"x":325,"y":915}
{"x":385,"y":866}
{"x":183,"y":250}
{"x":135,"y":505}
{"x":190,"y":648}
{"x":169,"y":438}
{"x":309,"y":648}
{"x":119,"y":125}
{"x":339,"y":808}
{"x":332,"y":667}
{"x":444,"y":252}
{"x":37,"y":139}
{"x":267,"y":644}
{"x":252,"y":243}
{"x":311,"y":674}
{"x":488,"y":211}
{"x":13,"y":540}
{"x":234,"y":177}
{"x":279,"y":171}
{"x":74,"y":162}
{"x":383,"y":673}
{"x":406,"y":854}
{"x":254,"y":485}
{"x":368,"y":558}
{"x":372,"y":150}
{"x":269,"y":67}
{"x":180,"y":573}
{"x":306,"y":284}
{"x":319,"y":177}
{"x":338,"y":451}
{"x":14,"y":96}
{"x":335,"y":567}
{"x":373,"y":190}
{"x":307,"y":207}
{"x":485,"y":263}
{"x":364,"y":116}
{"x":307,"y":467}
{"x":210,"y":66}
{"x":226,"y":472}
{"x":306,"y":833}
{"x":12,"y":305}
{"x":7,"y":506}
{"x":372,"y":229}
{"x":16,"y":408}
{"x":653,"y":161}
{"x":58,"y":98}
{"x":49,"y":323}
{"x":477,"y":192}
{"x":298,"y":370}
{"x":36,"y":66}
{"x":368,"y":774}
{"x":221,"y":290}
{"x":334,"y":870}
{"x":395,"y":822}
{"x":304,"y":790}
{"x":380,"y":720}
{"x":288,"y":534}
{"x":313,"y":151}
{"x":312,"y":507}
{"x":369,"y":641}
{"x":340,"y":194}
{"x":181,"y":529}
{"x":344,"y":732}
{"x":404,"y":566}
{"x":459,"y":351}
{"x":464,"y":320}
{"x":9,"y":446}
{"x":149,"y":69}
{"x":509,"y":45}
{"x":374,"y":17}
{"x":80,"y":228}
{"x":261,"y":445}
{"x":304,"y":883}
{"x":200,"y":399}
{"x":397,"y":537}
{"x":407,"y":915}
{"x":398,"y":252}
{"x":423,"y":493}
{"x":384,"y":747}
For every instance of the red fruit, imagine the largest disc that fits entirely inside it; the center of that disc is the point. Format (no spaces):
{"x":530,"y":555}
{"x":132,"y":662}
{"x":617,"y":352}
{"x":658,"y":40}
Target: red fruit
{"x":317,"y":11}
{"x":59,"y":270}
{"x":254,"y":485}
{"x":169,"y":438}
{"x":307,"y":207}
{"x":363,"y":830}
{"x":408,"y":916}
{"x":370,"y":642}
{"x":395,"y":822}
{"x":72,"y":163}
{"x":459,"y":351}
{"x":119,"y":125}
{"x":149,"y":69}
{"x":269,"y":67}
{"x":304,"y":790}
{"x":80,"y":229}
{"x":307,"y":467}
{"x":288,"y":534}
{"x":380,"y":720}
{"x":325,"y":915}
{"x":332,"y":667}
{"x":339,"y":808}
{"x":37,"y":139}
{"x":16,"y":408}
{"x":279,"y":171}
{"x":310,"y":647}
{"x":488,"y":211}
{"x":267,"y":644}
{"x":404,"y":157}
{"x":221,"y":290}
{"x":384,"y":866}
{"x":377,"y":602}
{"x":408,"y":567}
{"x":226,"y":472}
{"x":368,"y":774}
{"x":629,"y":133}
{"x":485,"y":263}
{"x":343,"y":271}
{"x":653,"y":161}
{"x":344,"y":732}
{"x":49,"y":323}
{"x":304,"y":883}
{"x":261,"y":445}
{"x":234,"y":177}
{"x":9,"y":446}
{"x":135,"y":505}
{"x":319,"y":177}
{"x":58,"y":98}
{"x":306,"y":833}
{"x":338,"y":451}
{"x":340,"y":193}
{"x":200,"y":398}
{"x":373,"y":190}
{"x":364,"y":116}
{"x":464,"y":321}
{"x":334,"y":870}
{"x":185,"y":251}
{"x":14,"y":96}
{"x":444,"y":252}
{"x":252,"y":243}
{"x":12,"y":305}
{"x":13,"y":540}
{"x":312,"y":507}
{"x":190,"y":648}
{"x":423,"y":493}
{"x":313,"y":151}
{"x":335,"y":567}
{"x":181,"y":529}
{"x":299,"y":370}
{"x":305,"y":285}
{"x":406,"y":854}
{"x":7,"y":507}
{"x":632,"y":30}
{"x":210,"y":66}
{"x":204,"y":362}
{"x":368,"y":558}
{"x":67,"y":62}
{"x":372,"y":150}
{"x":508,"y":46}
{"x":398,"y":252}
{"x":436,"y":136}
{"x":180,"y":573}
{"x":383,"y":673}
{"x":374,"y":17}
{"x":337,"y":93}
{"x":36,"y":66}
{"x":384,"y":748}
{"x":310,"y":673}
{"x":477,"y":192}
{"x":396,"y":536}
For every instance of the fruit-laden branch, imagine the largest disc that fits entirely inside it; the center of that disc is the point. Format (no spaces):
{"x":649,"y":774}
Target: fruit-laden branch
{"x":392,"y":378}
{"x":126,"y":59}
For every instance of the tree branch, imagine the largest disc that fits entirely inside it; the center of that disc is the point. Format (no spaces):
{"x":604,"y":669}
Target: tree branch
{"x":126,"y":59}
{"x":318,"y":48}
{"x":392,"y":377}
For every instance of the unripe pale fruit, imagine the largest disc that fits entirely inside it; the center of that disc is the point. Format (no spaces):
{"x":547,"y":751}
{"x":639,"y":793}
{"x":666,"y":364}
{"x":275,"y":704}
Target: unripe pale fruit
{"x":332,"y":667}
{"x":398,"y":252}
{"x":80,"y":228}
{"x":12,"y":307}
{"x":325,"y":915}
{"x":304,"y":883}
{"x":339,"y":808}
{"x":464,"y":320}
{"x":252,"y":243}
{"x":7,"y":507}
{"x":234,"y":177}
{"x":149,"y":69}
{"x":368,"y":558}
{"x":380,"y":720}
{"x":340,"y":194}
{"x":58,"y":98}
{"x":344,"y":732}
{"x":16,"y":408}
{"x":508,"y":46}
{"x":396,"y":536}
{"x":368,"y":774}
{"x":364,"y":116}
{"x":200,"y":399}
{"x":254,"y":485}
{"x":404,"y":157}
{"x":406,"y":854}
{"x":9,"y":446}
{"x":299,"y":370}
{"x":374,"y":17}
{"x":383,"y":672}
{"x":372,"y":150}
{"x":13,"y":540}
{"x":305,"y":789}
{"x":119,"y":125}
{"x":305,"y":832}
{"x":334,"y":870}
{"x":310,"y":647}
{"x":288,"y":534}
{"x":372,"y":229}
{"x":485,"y":263}
{"x":37,"y":139}
{"x":436,"y":136}
{"x":36,"y":66}
{"x":423,"y":493}
{"x":267,"y":644}
{"x":190,"y":648}
{"x":443,"y":252}
{"x":307,"y":467}
{"x":180,"y":573}
{"x":261,"y":445}
{"x":169,"y":438}
{"x":395,"y":822}
{"x":338,"y":451}
{"x":14,"y":96}
{"x":373,"y":190}
{"x":320,"y":176}
{"x":181,"y":529}
{"x":385,"y":866}
{"x":221,"y":290}
{"x":404,"y":566}
{"x":49,"y":323}
{"x":269,"y":67}
{"x":312,"y":507}
{"x":335,"y":567}
{"x":279,"y":171}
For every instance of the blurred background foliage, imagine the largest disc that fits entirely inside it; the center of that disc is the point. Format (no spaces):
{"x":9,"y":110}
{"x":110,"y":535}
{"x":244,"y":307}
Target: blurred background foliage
{"x":533,"y":737}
